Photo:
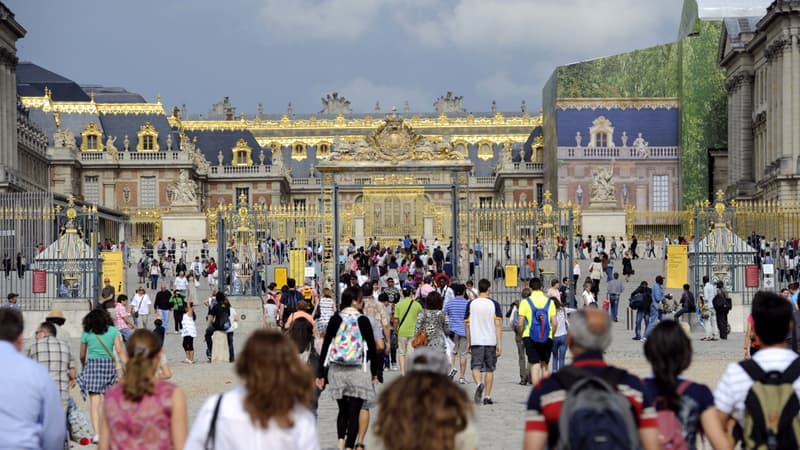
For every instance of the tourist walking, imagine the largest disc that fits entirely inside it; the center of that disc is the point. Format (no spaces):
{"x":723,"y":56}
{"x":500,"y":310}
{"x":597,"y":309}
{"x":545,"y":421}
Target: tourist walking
{"x":349,"y":345}
{"x":627,"y":266}
{"x":405,"y":322}
{"x":100,"y":341}
{"x":633,"y":425}
{"x":140,"y":308}
{"x":434,"y":322}
{"x":615,"y":289}
{"x":455,"y":310}
{"x":522,"y":358}
{"x":536,"y":324}
{"x":640,"y":301}
{"x":560,"y":334}
{"x":272,"y":407}
{"x":709,"y":324}
{"x":189,"y":332}
{"x":448,"y":419}
{"x":122,"y":318}
{"x":55,"y":355}
{"x":657,"y":296}
{"x":32,"y":416}
{"x":143,"y":411}
{"x":163,"y":305}
{"x":669,"y":352}
{"x":484,"y":337}
{"x":325,"y":308}
{"x":722,"y":306}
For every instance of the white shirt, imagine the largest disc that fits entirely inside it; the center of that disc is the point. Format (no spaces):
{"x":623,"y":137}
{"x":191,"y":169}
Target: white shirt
{"x":734,"y":384}
{"x":235,"y":429}
{"x":709,"y":292}
{"x":576,"y":270}
{"x":188,"y":327}
{"x":480,"y":318}
{"x":181,"y":283}
{"x":141,"y":304}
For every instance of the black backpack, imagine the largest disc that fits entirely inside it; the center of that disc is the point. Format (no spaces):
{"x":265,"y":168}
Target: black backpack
{"x":290,"y":307}
{"x":771,"y":408}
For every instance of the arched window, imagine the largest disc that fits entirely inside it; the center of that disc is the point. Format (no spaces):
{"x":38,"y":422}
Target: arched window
{"x":91,"y":138}
{"x":602,"y":133}
{"x":323,"y":149}
{"x":148,"y":138}
{"x":242,"y":154}
{"x":298,"y":151}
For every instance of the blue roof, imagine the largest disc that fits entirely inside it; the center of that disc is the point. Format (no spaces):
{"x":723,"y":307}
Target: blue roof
{"x":32,"y":79}
{"x":119,"y":125}
{"x":211,"y":142}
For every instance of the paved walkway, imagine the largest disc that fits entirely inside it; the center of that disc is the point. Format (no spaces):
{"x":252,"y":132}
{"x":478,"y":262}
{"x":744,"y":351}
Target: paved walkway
{"x":500,"y":425}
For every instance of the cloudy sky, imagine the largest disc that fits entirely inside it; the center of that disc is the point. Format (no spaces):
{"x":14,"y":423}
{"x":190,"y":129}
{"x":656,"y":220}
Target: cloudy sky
{"x":276,"y":51}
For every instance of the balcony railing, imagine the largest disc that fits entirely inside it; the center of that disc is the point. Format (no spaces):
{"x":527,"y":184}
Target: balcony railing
{"x":617,"y":153}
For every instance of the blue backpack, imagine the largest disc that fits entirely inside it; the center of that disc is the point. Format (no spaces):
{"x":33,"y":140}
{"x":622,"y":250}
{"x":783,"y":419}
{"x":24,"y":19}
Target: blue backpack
{"x":540,"y":325}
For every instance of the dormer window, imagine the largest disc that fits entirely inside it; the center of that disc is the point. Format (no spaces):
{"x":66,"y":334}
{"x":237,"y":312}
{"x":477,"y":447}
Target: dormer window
{"x":323,"y":149}
{"x":299,"y":151}
{"x":91,"y":138}
{"x":148,"y":138}
{"x":242,"y":154}
{"x":601,"y":133}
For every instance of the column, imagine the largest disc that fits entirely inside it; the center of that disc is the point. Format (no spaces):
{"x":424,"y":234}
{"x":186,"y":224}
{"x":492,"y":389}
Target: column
{"x":795,"y":98}
{"x":5,"y":138}
{"x":745,"y":113}
{"x":785,"y":56}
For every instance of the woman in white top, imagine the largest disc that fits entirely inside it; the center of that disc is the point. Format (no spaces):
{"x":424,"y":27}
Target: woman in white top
{"x":272,"y":408}
{"x":560,"y":334}
{"x":140,"y":308}
{"x":181,"y":283}
{"x":188,"y":332}
{"x":587,"y":296}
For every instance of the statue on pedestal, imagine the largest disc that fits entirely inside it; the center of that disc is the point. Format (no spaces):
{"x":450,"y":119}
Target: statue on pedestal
{"x":169,"y":142}
{"x":126,"y":143}
{"x":641,"y":146}
{"x":111,"y":148}
{"x":579,"y":195}
{"x":624,"y":139}
{"x":578,"y":139}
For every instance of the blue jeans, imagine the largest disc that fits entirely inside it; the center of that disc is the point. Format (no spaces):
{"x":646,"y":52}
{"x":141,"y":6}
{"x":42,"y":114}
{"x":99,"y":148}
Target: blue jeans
{"x":153,"y":281}
{"x":640,"y":317}
{"x":614,"y":299}
{"x":652,"y":320}
{"x":559,"y":352}
{"x":163,"y":314}
{"x":609,"y":273}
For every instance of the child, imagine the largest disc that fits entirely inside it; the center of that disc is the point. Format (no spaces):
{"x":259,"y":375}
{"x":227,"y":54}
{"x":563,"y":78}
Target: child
{"x":159,"y":330}
{"x":189,"y":332}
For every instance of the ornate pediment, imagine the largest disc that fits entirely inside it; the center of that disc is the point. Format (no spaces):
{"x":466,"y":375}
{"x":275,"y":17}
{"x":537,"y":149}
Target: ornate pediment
{"x":394,"y":141}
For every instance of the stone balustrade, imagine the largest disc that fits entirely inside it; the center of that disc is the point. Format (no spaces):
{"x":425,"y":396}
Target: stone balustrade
{"x":617,"y":153}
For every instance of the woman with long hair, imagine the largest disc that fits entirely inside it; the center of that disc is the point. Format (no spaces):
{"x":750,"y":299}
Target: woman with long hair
{"x":271,"y":410}
{"x":434,"y":321}
{"x":560,"y":334}
{"x":669,"y":352}
{"x":349,"y":384}
{"x":447,"y":423}
{"x":99,"y":341}
{"x":143,"y":411}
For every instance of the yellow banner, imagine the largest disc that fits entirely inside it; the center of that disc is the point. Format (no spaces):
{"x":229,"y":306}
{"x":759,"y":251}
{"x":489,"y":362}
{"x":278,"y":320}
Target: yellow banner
{"x":677,"y":266}
{"x":297,"y":265}
{"x":512,"y":275}
{"x":281,"y":274}
{"x":112,"y":269}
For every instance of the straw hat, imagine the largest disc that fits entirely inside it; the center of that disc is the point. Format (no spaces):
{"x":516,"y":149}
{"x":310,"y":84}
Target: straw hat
{"x":56,"y":315}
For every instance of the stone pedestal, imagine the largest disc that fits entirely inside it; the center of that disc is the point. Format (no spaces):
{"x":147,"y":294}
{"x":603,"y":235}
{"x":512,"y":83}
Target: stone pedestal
{"x":607,"y":222}
{"x":189,"y":225}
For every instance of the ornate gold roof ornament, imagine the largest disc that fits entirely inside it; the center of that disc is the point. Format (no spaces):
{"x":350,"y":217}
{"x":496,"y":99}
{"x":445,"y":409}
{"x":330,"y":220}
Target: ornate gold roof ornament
{"x":242,"y":154}
{"x":91,"y":138}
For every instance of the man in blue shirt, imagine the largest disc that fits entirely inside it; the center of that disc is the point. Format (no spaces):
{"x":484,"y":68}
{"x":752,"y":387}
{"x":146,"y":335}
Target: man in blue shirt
{"x":456,"y":310}
{"x":31,"y":416}
{"x":658,"y":296}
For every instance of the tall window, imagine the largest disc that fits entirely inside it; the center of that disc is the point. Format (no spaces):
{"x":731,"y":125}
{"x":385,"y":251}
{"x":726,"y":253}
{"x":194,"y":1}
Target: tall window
{"x":601,"y":140}
{"x":660,"y":193}
{"x":539,"y":194}
{"x":91,"y":189}
{"x":91,"y":142}
{"x":242,"y":196}
{"x":485,"y":202}
{"x":147,"y":192}
{"x":300,"y":203}
{"x":147,"y":143}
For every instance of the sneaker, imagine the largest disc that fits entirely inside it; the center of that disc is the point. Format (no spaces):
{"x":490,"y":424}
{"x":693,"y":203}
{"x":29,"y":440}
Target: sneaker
{"x":453,"y":373}
{"x":643,"y":340}
{"x":394,"y":368}
{"x":479,"y":394}
{"x":636,"y":338}
{"x":462,"y":381}
{"x":488,"y":401}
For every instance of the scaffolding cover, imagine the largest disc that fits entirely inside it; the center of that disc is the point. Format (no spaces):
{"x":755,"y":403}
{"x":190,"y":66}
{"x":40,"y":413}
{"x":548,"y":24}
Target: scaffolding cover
{"x":720,"y":9}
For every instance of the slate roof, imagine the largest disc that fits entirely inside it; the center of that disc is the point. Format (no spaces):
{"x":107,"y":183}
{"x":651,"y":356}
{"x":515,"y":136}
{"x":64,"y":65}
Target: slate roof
{"x":211,"y":142}
{"x":32,"y":79}
{"x":122,"y":124}
{"x":736,"y":26}
{"x":105,"y":94}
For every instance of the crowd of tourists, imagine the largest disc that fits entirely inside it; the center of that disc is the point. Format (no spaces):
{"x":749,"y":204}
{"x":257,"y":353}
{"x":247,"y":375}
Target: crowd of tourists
{"x":401,"y":310}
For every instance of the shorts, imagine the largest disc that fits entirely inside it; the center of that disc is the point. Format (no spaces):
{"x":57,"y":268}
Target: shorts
{"x":188,"y":344}
{"x":484,"y":358}
{"x":404,"y":345}
{"x":369,"y":404}
{"x":460,"y":347}
{"x":538,"y":352}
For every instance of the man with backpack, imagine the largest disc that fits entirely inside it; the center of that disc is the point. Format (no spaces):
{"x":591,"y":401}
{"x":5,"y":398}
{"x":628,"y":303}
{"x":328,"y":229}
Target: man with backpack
{"x":762,"y":393}
{"x":537,"y":315}
{"x":640,"y":302}
{"x":289,"y":301}
{"x":589,"y":403}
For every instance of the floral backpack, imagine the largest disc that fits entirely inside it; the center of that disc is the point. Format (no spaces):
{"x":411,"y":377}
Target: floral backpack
{"x":348,"y":348}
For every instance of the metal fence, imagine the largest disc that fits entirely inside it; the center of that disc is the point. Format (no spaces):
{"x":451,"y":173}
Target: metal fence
{"x":49,"y":250}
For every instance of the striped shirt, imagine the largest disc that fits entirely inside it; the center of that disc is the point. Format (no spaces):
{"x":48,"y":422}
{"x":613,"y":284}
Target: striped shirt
{"x":735,"y":383}
{"x":544,"y":403}
{"x":456,"y":309}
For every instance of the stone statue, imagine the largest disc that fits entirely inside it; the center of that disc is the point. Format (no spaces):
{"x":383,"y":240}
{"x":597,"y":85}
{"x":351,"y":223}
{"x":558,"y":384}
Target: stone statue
{"x":277,"y":161}
{"x":579,"y":194}
{"x":64,"y":138}
{"x":505,"y":161}
{"x":406,"y":107}
{"x":524,"y":107}
{"x":449,"y":104}
{"x":624,"y":139}
{"x":112,"y":149}
{"x":169,"y":142}
{"x":126,"y":143}
{"x":220,"y":157}
{"x":334,"y":104}
{"x":377,"y":107}
{"x":624,"y":193}
{"x":494,"y":107}
{"x":641,"y":146}
{"x":261,"y":158}
{"x":578,"y":139}
{"x":184,"y":191}
{"x":603,"y":186}
{"x":289,"y":110}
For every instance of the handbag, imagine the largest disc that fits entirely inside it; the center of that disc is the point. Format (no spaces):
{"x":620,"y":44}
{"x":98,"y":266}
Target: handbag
{"x":421,"y":339}
{"x":79,"y":429}
{"x":212,"y":428}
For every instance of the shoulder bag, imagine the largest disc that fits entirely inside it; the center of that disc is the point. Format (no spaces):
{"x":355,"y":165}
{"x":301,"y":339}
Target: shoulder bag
{"x":421,"y":339}
{"x":117,"y":365}
{"x":212,"y":429}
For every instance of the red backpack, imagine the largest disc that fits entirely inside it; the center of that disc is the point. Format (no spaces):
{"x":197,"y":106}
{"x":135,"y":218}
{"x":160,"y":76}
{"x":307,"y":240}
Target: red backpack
{"x":670,"y":429}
